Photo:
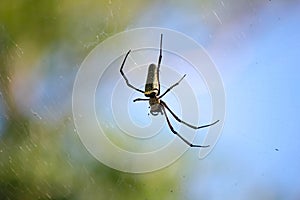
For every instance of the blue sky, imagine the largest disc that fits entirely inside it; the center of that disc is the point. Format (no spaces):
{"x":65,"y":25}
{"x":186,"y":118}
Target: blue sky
{"x":257,"y":54}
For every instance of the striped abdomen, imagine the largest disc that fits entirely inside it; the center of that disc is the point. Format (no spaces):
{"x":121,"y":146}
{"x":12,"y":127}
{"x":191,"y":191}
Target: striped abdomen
{"x":152,"y":83}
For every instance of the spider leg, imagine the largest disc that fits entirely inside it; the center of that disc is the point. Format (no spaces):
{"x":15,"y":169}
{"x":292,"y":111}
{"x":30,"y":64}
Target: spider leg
{"x":140,"y":99}
{"x":160,"y":51}
{"x":159,"y":60}
{"x":127,"y":82}
{"x":181,"y":121}
{"x":176,"y":133}
{"x":170,"y":88}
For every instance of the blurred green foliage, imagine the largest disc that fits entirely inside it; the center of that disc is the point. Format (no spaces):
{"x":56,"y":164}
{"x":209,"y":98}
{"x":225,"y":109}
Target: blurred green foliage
{"x":40,"y":159}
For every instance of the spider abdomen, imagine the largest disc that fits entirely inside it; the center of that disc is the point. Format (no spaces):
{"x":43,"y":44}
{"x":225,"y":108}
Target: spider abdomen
{"x":152,"y":83}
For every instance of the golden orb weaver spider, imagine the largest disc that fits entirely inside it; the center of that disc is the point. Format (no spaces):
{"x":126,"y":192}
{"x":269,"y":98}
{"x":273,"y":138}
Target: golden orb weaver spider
{"x":157,"y":105}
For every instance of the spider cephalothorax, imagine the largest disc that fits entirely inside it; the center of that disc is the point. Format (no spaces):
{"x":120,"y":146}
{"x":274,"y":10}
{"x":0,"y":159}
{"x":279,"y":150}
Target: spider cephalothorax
{"x":152,"y":90}
{"x":155,"y":107}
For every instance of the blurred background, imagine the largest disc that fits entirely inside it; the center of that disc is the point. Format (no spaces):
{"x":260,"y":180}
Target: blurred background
{"x":255,"y":46}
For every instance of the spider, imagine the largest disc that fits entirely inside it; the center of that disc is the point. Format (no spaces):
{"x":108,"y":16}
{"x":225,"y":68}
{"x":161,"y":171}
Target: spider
{"x":152,"y":91}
